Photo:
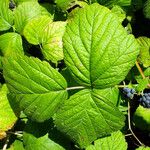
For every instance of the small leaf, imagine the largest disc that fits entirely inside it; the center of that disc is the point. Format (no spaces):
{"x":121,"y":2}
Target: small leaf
{"x":114,"y":142}
{"x":142,"y":84}
{"x":144,"y":56}
{"x":6,"y":15}
{"x":21,"y":1}
{"x":147,"y":9}
{"x":97,"y":49}
{"x":27,"y":11}
{"x":34,"y":29}
{"x":141,"y":118}
{"x":48,"y":34}
{"x":39,"y":89}
{"x":88,"y":115}
{"x":52,"y":46}
{"x":7,"y":116}
{"x":16,"y":145}
{"x":120,"y":13}
{"x":36,"y":137}
{"x":65,"y":4}
{"x":11,"y":43}
{"x":143,"y":148}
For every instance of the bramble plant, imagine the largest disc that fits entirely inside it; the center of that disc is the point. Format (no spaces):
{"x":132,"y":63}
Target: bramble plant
{"x":74,"y":75}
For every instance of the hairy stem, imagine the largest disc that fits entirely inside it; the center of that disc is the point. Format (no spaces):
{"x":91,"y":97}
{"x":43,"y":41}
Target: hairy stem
{"x":140,"y":70}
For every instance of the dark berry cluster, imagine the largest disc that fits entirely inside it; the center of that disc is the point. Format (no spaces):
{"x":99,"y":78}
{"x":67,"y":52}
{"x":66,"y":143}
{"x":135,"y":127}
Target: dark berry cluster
{"x":145,"y":100}
{"x":129,"y":93}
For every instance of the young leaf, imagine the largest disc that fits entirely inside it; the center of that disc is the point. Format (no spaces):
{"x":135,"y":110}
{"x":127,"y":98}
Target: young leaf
{"x":27,"y":11}
{"x":88,"y":115}
{"x":11,"y":43}
{"x":7,"y":116}
{"x":144,"y":56}
{"x":6,"y":15}
{"x":21,"y":1}
{"x":39,"y":89}
{"x":114,"y":142}
{"x":52,"y":46}
{"x":97,"y":49}
{"x":36,"y":137}
{"x":48,"y":34}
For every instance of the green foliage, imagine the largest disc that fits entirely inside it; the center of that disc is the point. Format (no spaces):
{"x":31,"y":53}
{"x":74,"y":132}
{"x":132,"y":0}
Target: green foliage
{"x":7,"y":116}
{"x":114,"y":142}
{"x":147,"y":9}
{"x":6,"y":16}
{"x":84,"y":119}
{"x":97,"y":50}
{"x":39,"y":100}
{"x":63,"y":64}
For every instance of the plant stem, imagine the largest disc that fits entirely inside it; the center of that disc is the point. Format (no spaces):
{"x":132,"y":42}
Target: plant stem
{"x":6,"y":143}
{"x":129,"y":126}
{"x":140,"y":70}
{"x":75,"y":88}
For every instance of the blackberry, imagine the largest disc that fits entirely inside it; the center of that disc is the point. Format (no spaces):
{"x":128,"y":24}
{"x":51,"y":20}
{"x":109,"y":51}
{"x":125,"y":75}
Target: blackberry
{"x":129,"y":93}
{"x":145,"y":100}
{"x":11,"y":5}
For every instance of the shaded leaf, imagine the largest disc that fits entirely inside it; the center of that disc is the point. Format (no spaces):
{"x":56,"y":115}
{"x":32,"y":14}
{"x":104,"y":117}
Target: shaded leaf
{"x":36,"y":137}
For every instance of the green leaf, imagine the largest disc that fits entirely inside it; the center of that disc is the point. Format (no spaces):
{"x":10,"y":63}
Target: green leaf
{"x":6,"y":15}
{"x":111,"y":3}
{"x":7,"y":116}
{"x":39,"y":89}
{"x":34,"y":29}
{"x":142,"y":84}
{"x":48,"y":34}
{"x":20,"y":1}
{"x":114,"y":142}
{"x":88,"y":115}
{"x":36,"y":137}
{"x":64,"y":4}
{"x":141,"y":118}
{"x":120,"y":13}
{"x":11,"y":43}
{"x":144,"y":56}
{"x":147,"y":9}
{"x":97,"y":49}
{"x":143,"y":148}
{"x":52,"y":46}
{"x":27,"y":11}
{"x":16,"y":145}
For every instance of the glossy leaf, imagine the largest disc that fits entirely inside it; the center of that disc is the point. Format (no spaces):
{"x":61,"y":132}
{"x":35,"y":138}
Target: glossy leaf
{"x":27,"y":11}
{"x":7,"y":116}
{"x":11,"y":43}
{"x":39,"y":89}
{"x":88,"y":115}
{"x":97,"y":49}
{"x":114,"y":142}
